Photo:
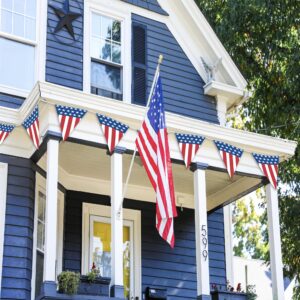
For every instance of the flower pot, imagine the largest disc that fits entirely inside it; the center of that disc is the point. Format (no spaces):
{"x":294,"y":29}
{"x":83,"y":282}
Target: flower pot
{"x":224,"y":295}
{"x":99,"y":287}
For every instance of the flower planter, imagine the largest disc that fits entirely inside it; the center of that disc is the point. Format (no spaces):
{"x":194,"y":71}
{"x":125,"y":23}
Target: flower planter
{"x":222,"y":295}
{"x":99,"y":287}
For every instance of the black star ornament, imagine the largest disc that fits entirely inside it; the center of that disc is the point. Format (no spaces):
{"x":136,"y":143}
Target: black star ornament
{"x":66,"y":17}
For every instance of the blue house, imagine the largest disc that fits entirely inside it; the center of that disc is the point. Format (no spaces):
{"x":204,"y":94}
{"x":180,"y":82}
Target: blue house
{"x":59,"y":200}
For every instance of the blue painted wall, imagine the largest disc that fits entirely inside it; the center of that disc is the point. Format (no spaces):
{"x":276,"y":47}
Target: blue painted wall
{"x":64,"y":55}
{"x":17,"y":258}
{"x":161,"y":266}
{"x":182,"y":85}
{"x":149,"y":5}
{"x":10,"y":101}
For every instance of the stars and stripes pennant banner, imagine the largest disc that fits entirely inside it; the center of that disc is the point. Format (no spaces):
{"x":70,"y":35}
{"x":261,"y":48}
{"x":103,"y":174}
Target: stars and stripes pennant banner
{"x":188,"y":145}
{"x":269,"y":165}
{"x":152,"y":144}
{"x":69,"y":118}
{"x":5,"y":130}
{"x":31,"y":124}
{"x":230,"y":155}
{"x":112,"y":130}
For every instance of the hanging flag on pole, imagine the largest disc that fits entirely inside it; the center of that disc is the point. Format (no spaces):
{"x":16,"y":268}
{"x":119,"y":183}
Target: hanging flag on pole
{"x":69,"y":118}
{"x":269,"y":165}
{"x":5,"y":130}
{"x":112,"y":130}
{"x":188,"y":145}
{"x":152,"y":144}
{"x":31,"y":124}
{"x":231,"y":156}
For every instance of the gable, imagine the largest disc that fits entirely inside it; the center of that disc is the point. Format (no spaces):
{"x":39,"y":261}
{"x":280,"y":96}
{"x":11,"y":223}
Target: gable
{"x":151,"y":5}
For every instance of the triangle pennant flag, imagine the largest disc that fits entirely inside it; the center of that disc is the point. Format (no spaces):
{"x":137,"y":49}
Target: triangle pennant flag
{"x":31,"y":124}
{"x":189,"y":145}
{"x":112,"y":130}
{"x":5,"y":130}
{"x":69,"y":118}
{"x":269,"y":165}
{"x":230,"y":155}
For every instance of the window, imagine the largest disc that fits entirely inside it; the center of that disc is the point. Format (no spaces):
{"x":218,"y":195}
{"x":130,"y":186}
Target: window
{"x":96,"y":245}
{"x":17,"y":43}
{"x":106,"y":57}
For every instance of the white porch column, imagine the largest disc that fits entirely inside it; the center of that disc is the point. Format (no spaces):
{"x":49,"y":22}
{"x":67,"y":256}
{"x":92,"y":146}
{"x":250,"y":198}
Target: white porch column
{"x":202,"y":261}
{"x":51,"y":214}
{"x":117,"y":286}
{"x":275,"y":244}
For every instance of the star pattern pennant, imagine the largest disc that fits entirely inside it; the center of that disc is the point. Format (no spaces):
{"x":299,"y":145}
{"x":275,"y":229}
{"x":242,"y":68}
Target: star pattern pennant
{"x":112,"y":130}
{"x":189,"y":145}
{"x":269,"y":165}
{"x":31,"y":124}
{"x":230,"y":155}
{"x":5,"y":130}
{"x":69,"y":118}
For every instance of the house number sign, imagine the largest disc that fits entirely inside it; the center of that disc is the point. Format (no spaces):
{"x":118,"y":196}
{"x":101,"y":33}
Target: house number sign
{"x":204,"y":241}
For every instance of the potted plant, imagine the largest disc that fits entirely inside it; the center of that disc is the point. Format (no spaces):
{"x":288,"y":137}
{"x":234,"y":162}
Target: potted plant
{"x":93,"y":284}
{"x":68,"y":282}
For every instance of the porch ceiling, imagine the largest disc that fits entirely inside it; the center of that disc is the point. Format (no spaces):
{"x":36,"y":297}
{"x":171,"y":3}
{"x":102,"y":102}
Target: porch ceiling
{"x":85,"y":168}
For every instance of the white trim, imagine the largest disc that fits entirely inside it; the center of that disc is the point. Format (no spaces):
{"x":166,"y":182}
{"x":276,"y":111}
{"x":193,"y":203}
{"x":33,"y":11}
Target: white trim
{"x":3,"y":189}
{"x":88,"y":210}
{"x":60,"y":232}
{"x":105,"y":8}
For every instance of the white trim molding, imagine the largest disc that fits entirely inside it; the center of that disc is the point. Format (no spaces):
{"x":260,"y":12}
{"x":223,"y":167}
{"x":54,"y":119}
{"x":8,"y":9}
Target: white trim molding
{"x":3,"y":190}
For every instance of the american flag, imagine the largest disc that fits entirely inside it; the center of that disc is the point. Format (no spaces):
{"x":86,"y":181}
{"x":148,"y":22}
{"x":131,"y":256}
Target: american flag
{"x":31,"y":124}
{"x":5,"y":130}
{"x":152,"y":144}
{"x":69,"y":118}
{"x":112,"y":130}
{"x":269,"y":166}
{"x":231,"y":156}
{"x":189,"y":145}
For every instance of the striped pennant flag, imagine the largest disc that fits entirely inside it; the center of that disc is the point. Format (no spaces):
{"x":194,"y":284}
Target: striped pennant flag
{"x":5,"y":130}
{"x":31,"y":124}
{"x":189,"y":145}
{"x":269,"y":165}
{"x":153,"y":146}
{"x":112,"y":130}
{"x":69,"y":118}
{"x":230,"y":155}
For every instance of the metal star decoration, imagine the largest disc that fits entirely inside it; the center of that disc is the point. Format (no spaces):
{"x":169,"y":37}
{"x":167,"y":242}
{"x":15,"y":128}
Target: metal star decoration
{"x":66,"y":17}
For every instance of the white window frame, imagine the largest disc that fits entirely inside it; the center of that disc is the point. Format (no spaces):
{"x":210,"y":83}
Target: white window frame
{"x":39,"y":49}
{"x":3,"y":190}
{"x":103,"y":212}
{"x":105,"y":8}
{"x":40,"y":186}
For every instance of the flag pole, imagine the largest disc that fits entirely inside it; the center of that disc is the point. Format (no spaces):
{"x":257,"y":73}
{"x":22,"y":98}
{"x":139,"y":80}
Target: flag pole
{"x":160,"y":59}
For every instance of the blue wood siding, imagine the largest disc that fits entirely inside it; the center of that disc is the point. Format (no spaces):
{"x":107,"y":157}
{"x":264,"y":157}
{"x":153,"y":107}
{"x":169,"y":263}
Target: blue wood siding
{"x":182,"y":85}
{"x":152,"y":5}
{"x":64,"y":56}
{"x":18,"y":239}
{"x":162,"y":266}
{"x":10,"y":101}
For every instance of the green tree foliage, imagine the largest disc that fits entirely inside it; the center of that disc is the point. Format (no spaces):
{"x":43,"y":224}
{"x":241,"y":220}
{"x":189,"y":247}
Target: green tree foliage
{"x":263,"y":38}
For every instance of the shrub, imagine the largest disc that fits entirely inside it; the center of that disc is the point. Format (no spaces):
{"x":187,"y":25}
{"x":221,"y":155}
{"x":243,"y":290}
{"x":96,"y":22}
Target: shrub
{"x":68,"y":282}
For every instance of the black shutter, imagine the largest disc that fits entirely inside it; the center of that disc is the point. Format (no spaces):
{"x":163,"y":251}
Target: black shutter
{"x":139,"y":66}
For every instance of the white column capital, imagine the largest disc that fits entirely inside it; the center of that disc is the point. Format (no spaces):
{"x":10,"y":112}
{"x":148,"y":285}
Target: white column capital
{"x":275,"y":243}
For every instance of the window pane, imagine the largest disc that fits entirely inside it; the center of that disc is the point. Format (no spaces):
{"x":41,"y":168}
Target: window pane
{"x":95,"y":48}
{"x":116,"y":31}
{"x":30,"y":28}
{"x":19,"y":6}
{"x":30,"y":8}
{"x":96,"y":25}
{"x":41,"y":206}
{"x":105,"y":48}
{"x":17,"y":60}
{"x":116,"y":53}
{"x":6,"y":21}
{"x":101,"y":252}
{"x":106,"y":77}
{"x":40,"y":235}
{"x":18,"y":25}
{"x":7,"y":4}
{"x":39,"y":270}
{"x":106,"y":24}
